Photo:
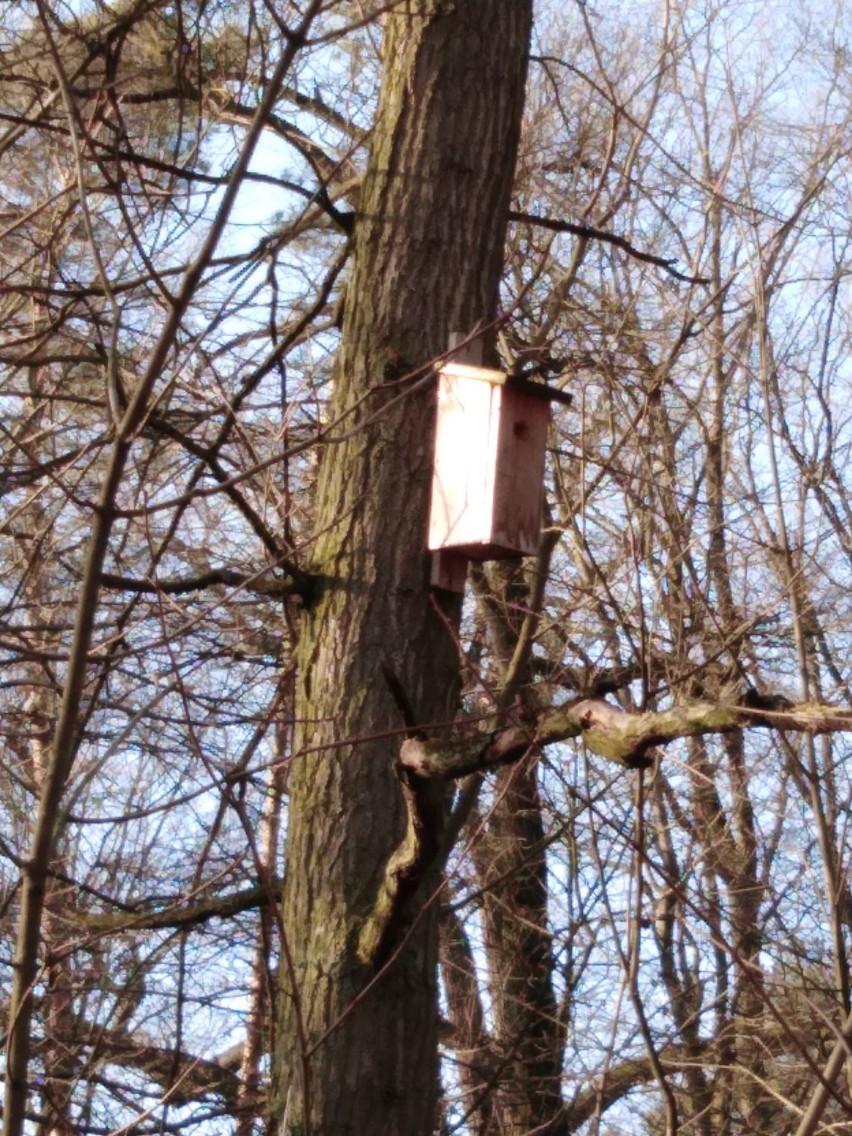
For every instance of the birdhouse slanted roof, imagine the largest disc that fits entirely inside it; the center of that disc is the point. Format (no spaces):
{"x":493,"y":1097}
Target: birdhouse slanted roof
{"x":505,"y":379}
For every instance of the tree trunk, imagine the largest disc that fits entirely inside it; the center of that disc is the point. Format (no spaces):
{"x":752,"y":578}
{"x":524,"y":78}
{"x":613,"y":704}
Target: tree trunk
{"x":527,"y":1025}
{"x":427,"y":260}
{"x":511,"y":862}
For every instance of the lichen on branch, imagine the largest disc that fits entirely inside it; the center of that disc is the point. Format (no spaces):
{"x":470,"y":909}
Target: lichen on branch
{"x":626,"y":738}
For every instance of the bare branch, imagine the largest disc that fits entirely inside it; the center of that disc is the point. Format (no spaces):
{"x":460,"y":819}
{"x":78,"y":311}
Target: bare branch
{"x":556,"y":225}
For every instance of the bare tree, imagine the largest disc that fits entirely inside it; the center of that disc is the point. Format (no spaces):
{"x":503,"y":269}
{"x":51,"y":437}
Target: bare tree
{"x":292,"y":840}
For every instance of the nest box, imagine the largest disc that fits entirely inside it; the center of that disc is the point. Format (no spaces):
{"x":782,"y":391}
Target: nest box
{"x":490,"y":441}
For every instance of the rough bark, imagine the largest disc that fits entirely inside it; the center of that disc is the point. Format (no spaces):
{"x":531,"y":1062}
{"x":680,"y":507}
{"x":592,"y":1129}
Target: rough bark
{"x":355,"y":1057}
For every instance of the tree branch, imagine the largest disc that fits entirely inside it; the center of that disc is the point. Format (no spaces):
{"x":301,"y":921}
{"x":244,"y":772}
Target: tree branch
{"x":615,"y":734}
{"x":183,"y":1076}
{"x":607,"y":730}
{"x":214,"y":576}
{"x":616,"y":1083}
{"x":180,"y":915}
{"x":559,"y":226}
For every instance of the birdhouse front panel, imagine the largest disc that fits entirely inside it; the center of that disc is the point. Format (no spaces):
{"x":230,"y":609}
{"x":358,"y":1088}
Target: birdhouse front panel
{"x":489,"y":465}
{"x":465,"y":453}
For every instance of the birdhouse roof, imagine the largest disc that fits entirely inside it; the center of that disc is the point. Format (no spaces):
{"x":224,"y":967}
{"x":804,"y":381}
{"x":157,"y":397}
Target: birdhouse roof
{"x":502,"y":379}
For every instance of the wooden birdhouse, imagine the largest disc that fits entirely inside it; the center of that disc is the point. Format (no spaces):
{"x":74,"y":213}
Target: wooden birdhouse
{"x":488,"y":478}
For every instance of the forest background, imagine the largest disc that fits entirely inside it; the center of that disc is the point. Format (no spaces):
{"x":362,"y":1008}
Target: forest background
{"x":290,"y":840}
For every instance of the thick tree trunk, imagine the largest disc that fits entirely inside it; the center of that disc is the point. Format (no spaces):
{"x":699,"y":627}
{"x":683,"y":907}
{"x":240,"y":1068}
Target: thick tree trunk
{"x":428,"y":255}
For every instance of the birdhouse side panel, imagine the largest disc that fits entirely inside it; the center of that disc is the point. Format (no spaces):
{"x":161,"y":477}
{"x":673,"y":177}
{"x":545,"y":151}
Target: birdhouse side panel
{"x":466,"y":442}
{"x":519,"y":479}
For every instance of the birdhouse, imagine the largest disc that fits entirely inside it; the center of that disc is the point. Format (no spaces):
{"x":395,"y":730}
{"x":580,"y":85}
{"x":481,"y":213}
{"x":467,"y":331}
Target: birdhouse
{"x":488,"y":477}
